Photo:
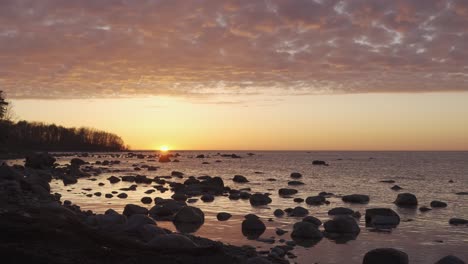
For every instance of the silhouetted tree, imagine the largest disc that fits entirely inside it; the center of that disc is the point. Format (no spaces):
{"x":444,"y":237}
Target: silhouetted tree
{"x":3,"y":106}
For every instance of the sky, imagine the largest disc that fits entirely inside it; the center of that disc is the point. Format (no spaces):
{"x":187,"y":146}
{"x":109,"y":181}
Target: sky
{"x":251,"y":75}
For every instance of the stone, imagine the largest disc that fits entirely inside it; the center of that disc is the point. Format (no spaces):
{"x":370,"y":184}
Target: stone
{"x":315,"y":200}
{"x":239,"y":179}
{"x":382,"y":217}
{"x":113,"y":179}
{"x":385,"y":256}
{"x":458,"y":221}
{"x":122,"y":195}
{"x":132,"y":209}
{"x":189,"y":214}
{"x":286,"y":191}
{"x":296,"y":175}
{"x":306,"y":230}
{"x":39,"y":161}
{"x":146,"y":200}
{"x":406,"y":200}
{"x":356,"y":198}
{"x":312,"y":220}
{"x":177,"y":174}
{"x":319,"y":163}
{"x":342,"y":224}
{"x":223,"y":216}
{"x":295,"y":183}
{"x":299,"y":212}
{"x":172,"y":241}
{"x":438,"y":204}
{"x":396,"y":188}
{"x":259,"y":199}
{"x":450,"y":260}
{"x":207,"y":198}
{"x":278,"y":213}
{"x":340,"y":211}
{"x":253,"y":227}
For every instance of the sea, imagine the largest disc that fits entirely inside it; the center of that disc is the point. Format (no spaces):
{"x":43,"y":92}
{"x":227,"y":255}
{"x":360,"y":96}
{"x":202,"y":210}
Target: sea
{"x":424,"y":236}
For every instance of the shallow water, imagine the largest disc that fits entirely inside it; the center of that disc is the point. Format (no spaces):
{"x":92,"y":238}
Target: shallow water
{"x":426,"y":174}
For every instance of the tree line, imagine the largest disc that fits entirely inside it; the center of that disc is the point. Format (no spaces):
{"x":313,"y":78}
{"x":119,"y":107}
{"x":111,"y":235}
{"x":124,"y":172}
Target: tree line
{"x":37,"y":136}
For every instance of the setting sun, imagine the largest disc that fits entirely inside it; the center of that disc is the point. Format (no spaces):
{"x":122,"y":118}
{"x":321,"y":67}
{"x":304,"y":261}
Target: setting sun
{"x":164,"y":148}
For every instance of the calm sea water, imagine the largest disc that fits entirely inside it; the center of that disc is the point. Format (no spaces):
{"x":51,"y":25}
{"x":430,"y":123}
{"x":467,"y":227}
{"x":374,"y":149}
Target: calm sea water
{"x":426,"y":174}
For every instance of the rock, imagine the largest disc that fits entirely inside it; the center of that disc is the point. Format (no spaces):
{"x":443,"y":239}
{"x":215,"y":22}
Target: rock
{"x":164,"y":210}
{"x":382,"y":217}
{"x":132,"y":209}
{"x":258,"y":260}
{"x":280,"y":231}
{"x":108,"y":195}
{"x":299,"y":212}
{"x":179,"y":197}
{"x":77,"y":162}
{"x":223,"y":216}
{"x":259,"y":199}
{"x":172,"y":241}
{"x":40,"y":161}
{"x":150,"y":231}
{"x":201,"y":156}
{"x":424,"y":209}
{"x":295,"y":183}
{"x":110,"y":220}
{"x":396,"y":188}
{"x":122,"y":195}
{"x":286,"y":191}
{"x":253,"y":227}
{"x":164,"y":158}
{"x":450,"y":260}
{"x":406,"y":200}
{"x":306,"y":230}
{"x":240,"y":179}
{"x":207,"y":198}
{"x":315,"y":200}
{"x":146,"y":200}
{"x":177,"y":174}
{"x":356,"y":198}
{"x":458,"y":221}
{"x":388,"y":181}
{"x":312,"y":220}
{"x":296,"y":175}
{"x":137,"y":221}
{"x":113,"y":179}
{"x":438,"y":204}
{"x":68,"y":180}
{"x":385,"y":256}
{"x":298,"y":200}
{"x":461,"y":193}
{"x":190,"y":215}
{"x":278,"y":213}
{"x":342,"y":224}
{"x":340,"y":211}
{"x":319,"y":163}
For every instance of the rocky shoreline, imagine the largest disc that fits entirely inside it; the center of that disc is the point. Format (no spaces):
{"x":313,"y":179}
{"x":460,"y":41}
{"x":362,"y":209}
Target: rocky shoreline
{"x":38,"y":226}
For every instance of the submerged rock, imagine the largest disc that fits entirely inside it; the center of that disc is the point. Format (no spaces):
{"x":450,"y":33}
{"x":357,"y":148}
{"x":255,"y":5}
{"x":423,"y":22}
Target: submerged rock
{"x":342,"y":225}
{"x":278,"y":213}
{"x":146,"y":200}
{"x":113,"y":179}
{"x":253,"y":227}
{"x":385,"y":256}
{"x":312,"y":220}
{"x":299,"y":212}
{"x":259,"y":199}
{"x":315,"y":200}
{"x":319,"y":163}
{"x":356,"y":198}
{"x":306,"y":230}
{"x":406,"y":200}
{"x":438,"y":204}
{"x":382,"y":217}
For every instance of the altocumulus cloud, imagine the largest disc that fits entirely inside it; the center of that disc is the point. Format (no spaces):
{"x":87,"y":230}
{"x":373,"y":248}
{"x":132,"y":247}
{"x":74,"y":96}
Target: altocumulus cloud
{"x":81,"y":49}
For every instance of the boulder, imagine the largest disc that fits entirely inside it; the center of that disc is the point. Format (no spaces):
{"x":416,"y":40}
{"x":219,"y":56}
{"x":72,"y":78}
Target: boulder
{"x":177,"y":174}
{"x":385,"y":256}
{"x":189,"y":214}
{"x":286,"y":191}
{"x":137,"y":221}
{"x":258,"y":260}
{"x":340,"y":211}
{"x":312,"y":220}
{"x":299,"y":212}
{"x":207,"y":198}
{"x":295,"y":183}
{"x":40,"y":161}
{"x":396,"y":188}
{"x":278,"y":213}
{"x":223,"y":216}
{"x":406,"y":200}
{"x":356,"y":198}
{"x":342,"y":225}
{"x":315,"y":200}
{"x":240,"y":179}
{"x":253,"y":227}
{"x":113,"y":179}
{"x":122,"y":195}
{"x":306,"y":230}
{"x":164,"y":158}
{"x":259,"y":199}
{"x":77,"y":162}
{"x":438,"y":204}
{"x":450,"y":260}
{"x":296,"y":175}
{"x":382,"y":217}
{"x":131,"y":209}
{"x":146,"y":200}
{"x":458,"y":221}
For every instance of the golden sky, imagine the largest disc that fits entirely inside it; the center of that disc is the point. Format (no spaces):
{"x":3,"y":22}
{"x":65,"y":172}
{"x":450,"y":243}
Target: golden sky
{"x":232,"y":74}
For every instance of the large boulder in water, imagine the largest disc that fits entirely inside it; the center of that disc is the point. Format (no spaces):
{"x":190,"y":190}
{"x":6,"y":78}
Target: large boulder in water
{"x":172,"y":241}
{"x":258,"y":199}
{"x":382,"y":217}
{"x":299,"y":212}
{"x":306,"y":230}
{"x":40,"y":161}
{"x":406,"y":200}
{"x":253,"y":227}
{"x":190,"y":214}
{"x":342,"y":224}
{"x":315,"y":200}
{"x":385,"y":256}
{"x":356,"y":198}
{"x":450,"y":260}
{"x":131,"y":209}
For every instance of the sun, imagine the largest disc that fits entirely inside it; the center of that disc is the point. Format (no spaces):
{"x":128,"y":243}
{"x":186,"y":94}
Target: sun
{"x":164,"y":148}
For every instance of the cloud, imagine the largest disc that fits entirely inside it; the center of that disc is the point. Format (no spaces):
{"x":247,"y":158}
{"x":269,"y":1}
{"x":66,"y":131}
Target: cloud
{"x":103,"y":49}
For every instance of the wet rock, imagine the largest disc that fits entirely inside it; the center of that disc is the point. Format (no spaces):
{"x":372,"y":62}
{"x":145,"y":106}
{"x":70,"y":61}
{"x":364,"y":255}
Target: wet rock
{"x":356,"y":198}
{"x":77,"y":162}
{"x":295,"y":183}
{"x":164,"y":158}
{"x":132,"y":209}
{"x":110,"y":220}
{"x":461,"y":193}
{"x":382,"y":217}
{"x":306,"y":230}
{"x":128,"y":178}
{"x":299,"y":212}
{"x":108,"y":195}
{"x":239,"y":179}
{"x":315,"y":200}
{"x":172,"y":241}
{"x":424,"y":209}
{"x":201,"y":156}
{"x":164,"y":210}
{"x":207,"y":198}
{"x":342,"y":224}
{"x":189,"y":214}
{"x":223,"y":216}
{"x":298,"y":200}
{"x":340,"y":211}
{"x":113,"y":179}
{"x":286,"y":191}
{"x":319,"y":163}
{"x":296,"y":175}
{"x":137,"y":221}
{"x":385,"y":256}
{"x":252,"y":227}
{"x":388,"y":181}
{"x":40,"y":161}
{"x":278,"y":213}
{"x":458,"y":221}
{"x":150,"y":231}
{"x":179,"y":197}
{"x":450,"y":260}
{"x":313,"y":220}
{"x":280,"y":231}
{"x":68,"y":180}
{"x":259,"y":199}
{"x":406,"y":200}
{"x":146,"y":200}
{"x":97,"y":194}
{"x":177,"y":174}
{"x":396,"y":188}
{"x":122,"y":195}
{"x":438,"y":204}
{"x":258,"y":260}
